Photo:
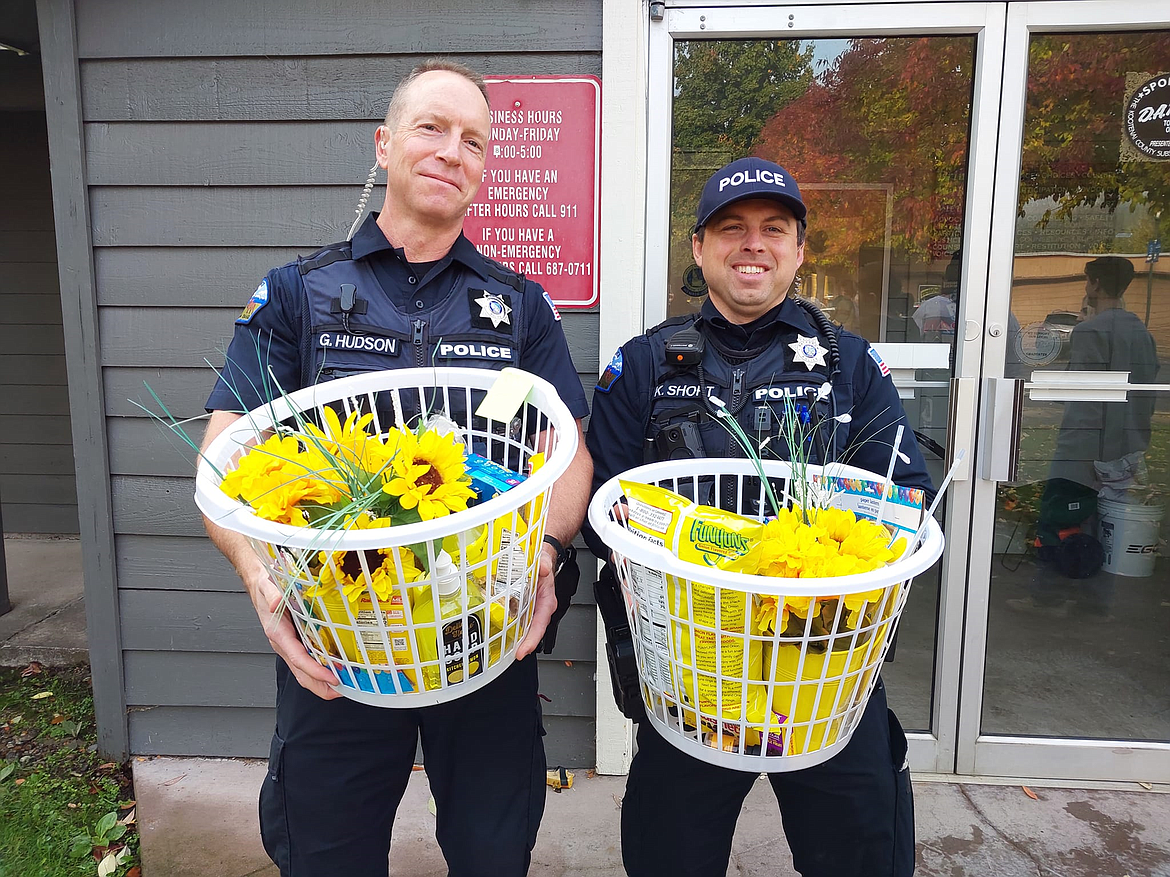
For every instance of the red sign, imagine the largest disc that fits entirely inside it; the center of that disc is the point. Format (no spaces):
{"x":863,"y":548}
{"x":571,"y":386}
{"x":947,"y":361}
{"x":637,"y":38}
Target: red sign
{"x":537,"y":210}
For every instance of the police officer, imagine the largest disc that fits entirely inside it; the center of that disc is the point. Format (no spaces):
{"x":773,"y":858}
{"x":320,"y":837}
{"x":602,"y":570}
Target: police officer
{"x":408,"y":290}
{"x":753,"y":346}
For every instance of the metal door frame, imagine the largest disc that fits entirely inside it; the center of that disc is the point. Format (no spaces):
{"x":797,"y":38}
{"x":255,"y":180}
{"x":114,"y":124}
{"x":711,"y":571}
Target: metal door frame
{"x":1017,"y":755}
{"x":928,"y":751}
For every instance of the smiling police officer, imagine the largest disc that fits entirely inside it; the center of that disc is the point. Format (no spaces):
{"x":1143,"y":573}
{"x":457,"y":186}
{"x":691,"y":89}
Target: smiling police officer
{"x":408,"y":290}
{"x":757,"y":349}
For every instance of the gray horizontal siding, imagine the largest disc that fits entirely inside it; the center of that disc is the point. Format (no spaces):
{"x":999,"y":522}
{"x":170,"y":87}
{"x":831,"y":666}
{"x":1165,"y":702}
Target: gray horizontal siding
{"x":243,"y":732}
{"x":246,"y":680}
{"x":39,"y":488}
{"x":18,"y":246}
{"x":182,"y":390}
{"x":24,"y":429}
{"x":29,"y":309}
{"x":277,"y":88}
{"x":38,"y":400}
{"x":33,"y":370}
{"x":199,"y":621}
{"x":196,"y":276}
{"x":309,"y":27}
{"x":31,"y":277}
{"x":36,"y":339}
{"x":36,"y":456}
{"x":41,"y":517}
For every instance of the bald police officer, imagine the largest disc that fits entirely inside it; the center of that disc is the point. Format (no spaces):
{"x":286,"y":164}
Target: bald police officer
{"x":853,"y":815}
{"x":408,"y":290}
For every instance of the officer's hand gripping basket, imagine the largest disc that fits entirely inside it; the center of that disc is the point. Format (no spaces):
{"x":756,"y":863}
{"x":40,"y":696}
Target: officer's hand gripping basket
{"x":381,"y":648}
{"x":712,"y":687}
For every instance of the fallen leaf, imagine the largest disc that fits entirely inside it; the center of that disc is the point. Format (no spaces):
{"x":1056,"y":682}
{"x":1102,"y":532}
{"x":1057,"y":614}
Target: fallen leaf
{"x":108,"y":865}
{"x":16,"y":720}
{"x":128,"y":819}
{"x":126,"y":804}
{"x":1030,"y":793}
{"x":71,"y":806}
{"x":136,"y":871}
{"x":591,"y":773}
{"x":174,"y":780}
{"x":19,"y":782}
{"x":108,"y":765}
{"x":57,"y":719}
{"x":42,"y":695}
{"x":32,"y":669}
{"x":1149,"y":787}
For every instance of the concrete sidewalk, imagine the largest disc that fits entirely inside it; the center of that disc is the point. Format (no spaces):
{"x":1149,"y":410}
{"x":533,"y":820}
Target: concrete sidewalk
{"x":47,"y":621}
{"x":198,"y":817}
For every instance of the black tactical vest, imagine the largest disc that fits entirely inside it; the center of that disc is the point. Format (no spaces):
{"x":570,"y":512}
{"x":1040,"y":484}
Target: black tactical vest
{"x":757,"y":387}
{"x":353,"y":325}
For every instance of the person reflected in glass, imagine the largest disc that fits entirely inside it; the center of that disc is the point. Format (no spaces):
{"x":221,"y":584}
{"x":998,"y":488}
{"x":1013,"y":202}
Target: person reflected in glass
{"x":1099,"y":443}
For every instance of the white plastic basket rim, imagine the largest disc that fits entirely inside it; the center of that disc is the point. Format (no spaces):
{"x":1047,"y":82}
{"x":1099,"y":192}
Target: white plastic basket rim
{"x":623,"y":542}
{"x":234,"y":515}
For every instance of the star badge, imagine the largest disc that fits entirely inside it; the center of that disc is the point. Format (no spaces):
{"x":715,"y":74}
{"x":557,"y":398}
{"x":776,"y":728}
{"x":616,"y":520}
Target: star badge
{"x":808,"y":351}
{"x":494,"y":308}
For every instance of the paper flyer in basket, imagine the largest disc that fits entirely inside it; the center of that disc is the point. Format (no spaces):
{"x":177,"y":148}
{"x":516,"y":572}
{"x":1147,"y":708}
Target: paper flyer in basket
{"x":863,"y":497}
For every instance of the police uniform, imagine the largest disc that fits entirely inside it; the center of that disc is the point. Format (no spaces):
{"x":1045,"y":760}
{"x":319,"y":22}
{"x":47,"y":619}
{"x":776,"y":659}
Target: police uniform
{"x":851,"y":816}
{"x":337,"y":769}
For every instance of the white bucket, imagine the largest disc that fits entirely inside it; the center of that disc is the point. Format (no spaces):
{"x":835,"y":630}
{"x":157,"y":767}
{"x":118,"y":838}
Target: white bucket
{"x":1129,"y":535}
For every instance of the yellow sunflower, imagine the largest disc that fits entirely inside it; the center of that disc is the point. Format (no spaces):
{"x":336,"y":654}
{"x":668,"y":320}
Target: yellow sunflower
{"x":273,"y":478}
{"x":343,"y":569}
{"x":428,"y":473}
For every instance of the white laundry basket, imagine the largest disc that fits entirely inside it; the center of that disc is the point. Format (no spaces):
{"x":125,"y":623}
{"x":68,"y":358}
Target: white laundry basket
{"x":374,"y":645}
{"x":715,"y":689}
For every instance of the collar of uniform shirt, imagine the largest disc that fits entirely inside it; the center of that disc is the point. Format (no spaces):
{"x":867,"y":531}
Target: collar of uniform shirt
{"x":369,"y":239}
{"x":758,"y":332}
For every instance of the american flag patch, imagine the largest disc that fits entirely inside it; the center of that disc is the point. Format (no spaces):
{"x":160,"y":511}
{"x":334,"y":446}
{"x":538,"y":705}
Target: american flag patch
{"x":882,"y":367}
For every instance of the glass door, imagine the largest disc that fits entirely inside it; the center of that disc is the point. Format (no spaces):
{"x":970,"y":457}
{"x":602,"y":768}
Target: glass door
{"x":887,"y":118}
{"x":1068,"y":637}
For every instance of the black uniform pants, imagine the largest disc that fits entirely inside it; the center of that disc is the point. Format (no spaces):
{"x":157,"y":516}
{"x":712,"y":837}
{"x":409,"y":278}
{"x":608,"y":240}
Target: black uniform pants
{"x":338,"y":769}
{"x":852,"y":816}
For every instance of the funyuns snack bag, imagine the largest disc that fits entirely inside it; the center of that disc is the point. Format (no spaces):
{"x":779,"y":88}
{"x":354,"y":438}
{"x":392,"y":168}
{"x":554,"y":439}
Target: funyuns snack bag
{"x":705,"y":536}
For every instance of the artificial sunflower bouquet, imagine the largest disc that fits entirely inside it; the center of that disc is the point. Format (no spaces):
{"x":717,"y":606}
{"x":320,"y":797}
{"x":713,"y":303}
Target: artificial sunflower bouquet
{"x":407,"y":559}
{"x":762,"y":613}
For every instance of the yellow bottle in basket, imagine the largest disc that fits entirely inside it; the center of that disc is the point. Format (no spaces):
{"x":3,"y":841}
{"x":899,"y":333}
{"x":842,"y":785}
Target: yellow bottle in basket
{"x":453,"y":614}
{"x":394,"y":618}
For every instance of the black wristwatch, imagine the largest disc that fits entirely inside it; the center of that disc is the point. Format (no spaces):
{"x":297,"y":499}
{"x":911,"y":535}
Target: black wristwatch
{"x":559,"y":549}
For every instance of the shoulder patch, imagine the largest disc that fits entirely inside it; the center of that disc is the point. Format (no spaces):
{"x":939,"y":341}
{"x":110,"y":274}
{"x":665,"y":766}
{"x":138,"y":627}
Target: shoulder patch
{"x":881,"y":364}
{"x":612,"y":372}
{"x":552,"y":306}
{"x":258,"y":300}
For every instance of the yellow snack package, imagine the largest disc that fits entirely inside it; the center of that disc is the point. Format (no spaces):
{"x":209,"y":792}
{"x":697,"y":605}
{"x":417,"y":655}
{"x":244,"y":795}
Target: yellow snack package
{"x":710,"y":626}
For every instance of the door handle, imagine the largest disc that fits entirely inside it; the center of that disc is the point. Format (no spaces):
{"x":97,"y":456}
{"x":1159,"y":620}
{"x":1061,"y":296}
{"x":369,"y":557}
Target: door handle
{"x":999,"y":428}
{"x":960,"y":423}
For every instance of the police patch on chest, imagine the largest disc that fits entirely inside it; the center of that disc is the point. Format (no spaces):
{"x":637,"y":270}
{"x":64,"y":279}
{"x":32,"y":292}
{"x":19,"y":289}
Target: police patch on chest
{"x":794,"y":391}
{"x":490,"y":310}
{"x":363,"y":343}
{"x":472,"y":350}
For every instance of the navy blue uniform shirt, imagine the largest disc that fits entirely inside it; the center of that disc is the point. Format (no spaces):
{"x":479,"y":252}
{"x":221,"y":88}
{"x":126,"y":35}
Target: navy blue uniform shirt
{"x":622,"y":403}
{"x":275,"y":336}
